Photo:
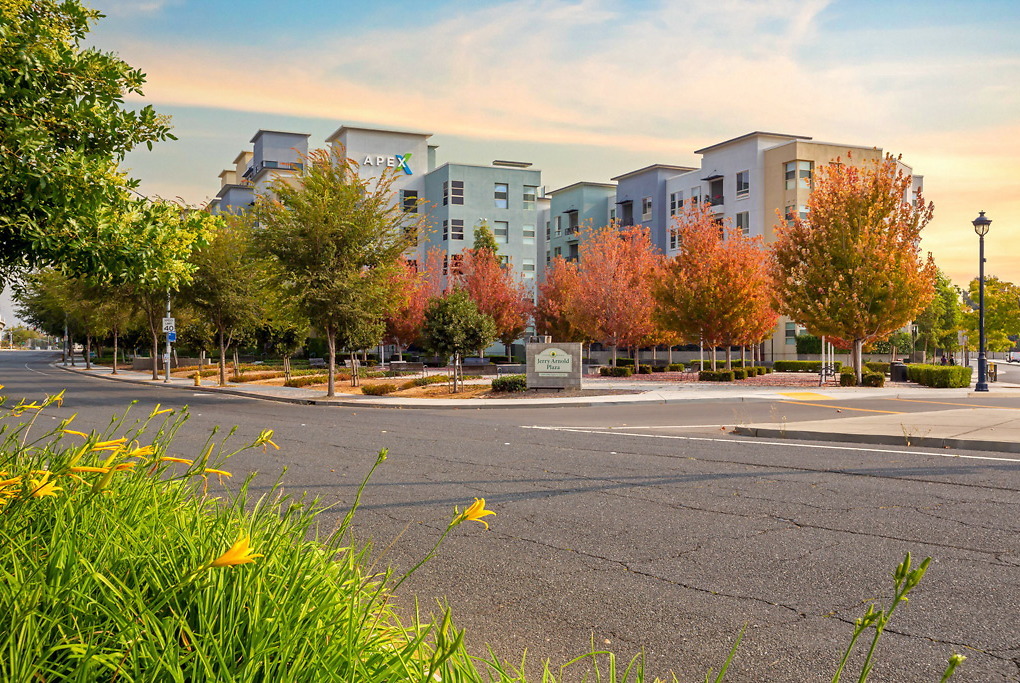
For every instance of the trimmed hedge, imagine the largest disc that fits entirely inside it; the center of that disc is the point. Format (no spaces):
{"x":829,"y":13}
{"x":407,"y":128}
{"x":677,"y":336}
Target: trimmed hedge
{"x":380,"y":389}
{"x":717,"y":376}
{"x":940,"y":376}
{"x":675,"y":367}
{"x":873,"y":379}
{"x":802,"y":365}
{"x":847,"y":378}
{"x":878,"y":367}
{"x":739,"y":373}
{"x":658,"y":368}
{"x":618,"y":371}
{"x":510,"y":383}
{"x":644,"y":369}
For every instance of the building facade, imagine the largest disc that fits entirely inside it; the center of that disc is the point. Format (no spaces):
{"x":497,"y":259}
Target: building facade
{"x":752,"y":181}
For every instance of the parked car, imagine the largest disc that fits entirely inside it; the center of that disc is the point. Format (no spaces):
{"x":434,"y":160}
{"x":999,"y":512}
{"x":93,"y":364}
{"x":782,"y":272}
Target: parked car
{"x":1013,"y":357}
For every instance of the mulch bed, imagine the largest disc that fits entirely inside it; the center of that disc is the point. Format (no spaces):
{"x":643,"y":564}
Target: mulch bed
{"x":775,"y":379}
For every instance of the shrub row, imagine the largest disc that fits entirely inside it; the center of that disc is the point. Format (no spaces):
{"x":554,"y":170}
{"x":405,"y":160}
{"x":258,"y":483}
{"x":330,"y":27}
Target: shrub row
{"x":869,"y":378}
{"x":618,"y":371}
{"x":878,"y":367}
{"x":380,"y":389}
{"x":510,"y":383}
{"x":941,"y":376}
{"x":802,"y":365}
{"x":717,"y":375}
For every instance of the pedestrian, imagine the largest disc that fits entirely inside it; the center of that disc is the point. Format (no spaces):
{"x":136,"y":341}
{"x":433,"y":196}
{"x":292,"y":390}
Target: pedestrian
{"x":952,"y":360}
{"x":944,"y":361}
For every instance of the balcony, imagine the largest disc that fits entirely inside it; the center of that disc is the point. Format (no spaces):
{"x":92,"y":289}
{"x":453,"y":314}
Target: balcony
{"x":715,"y":199}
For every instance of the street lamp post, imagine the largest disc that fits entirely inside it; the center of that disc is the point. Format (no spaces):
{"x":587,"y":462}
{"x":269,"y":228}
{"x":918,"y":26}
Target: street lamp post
{"x":981,"y":225}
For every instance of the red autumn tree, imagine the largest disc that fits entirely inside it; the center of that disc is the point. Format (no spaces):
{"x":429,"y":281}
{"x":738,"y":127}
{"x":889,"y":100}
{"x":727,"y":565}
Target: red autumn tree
{"x":556,"y":310}
{"x":717,"y":288}
{"x":853,"y":268}
{"x":497,"y":292}
{"x":417,"y":287}
{"x":615,"y":273}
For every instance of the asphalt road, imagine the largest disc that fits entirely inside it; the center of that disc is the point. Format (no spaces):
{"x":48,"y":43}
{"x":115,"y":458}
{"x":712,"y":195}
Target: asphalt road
{"x":665,"y":533}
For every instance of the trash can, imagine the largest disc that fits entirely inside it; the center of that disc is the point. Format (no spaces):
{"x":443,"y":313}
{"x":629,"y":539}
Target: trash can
{"x":898,"y":372}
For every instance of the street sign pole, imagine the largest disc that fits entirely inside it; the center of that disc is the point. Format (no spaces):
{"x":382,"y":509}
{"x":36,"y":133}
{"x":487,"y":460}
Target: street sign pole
{"x":166,"y":358}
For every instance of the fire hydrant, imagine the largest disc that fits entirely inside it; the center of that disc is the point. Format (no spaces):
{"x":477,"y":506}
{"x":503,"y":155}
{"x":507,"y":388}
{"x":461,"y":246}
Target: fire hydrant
{"x":198,"y":379}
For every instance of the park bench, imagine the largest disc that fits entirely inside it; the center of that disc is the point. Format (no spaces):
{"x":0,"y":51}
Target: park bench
{"x":317,"y":362}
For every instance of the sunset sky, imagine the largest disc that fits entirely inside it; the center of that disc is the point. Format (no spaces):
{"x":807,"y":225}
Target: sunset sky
{"x":590,"y":89}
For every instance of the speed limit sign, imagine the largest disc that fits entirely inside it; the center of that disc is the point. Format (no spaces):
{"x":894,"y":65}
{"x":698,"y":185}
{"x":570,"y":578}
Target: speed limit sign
{"x":169,"y":325}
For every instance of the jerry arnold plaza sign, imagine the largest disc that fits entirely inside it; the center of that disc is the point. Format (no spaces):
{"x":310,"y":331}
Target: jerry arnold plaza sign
{"x":554,"y":366}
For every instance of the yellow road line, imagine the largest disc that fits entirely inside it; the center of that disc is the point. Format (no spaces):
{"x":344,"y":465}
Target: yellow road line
{"x":946,"y":403}
{"x":806,"y":396}
{"x":827,"y":405}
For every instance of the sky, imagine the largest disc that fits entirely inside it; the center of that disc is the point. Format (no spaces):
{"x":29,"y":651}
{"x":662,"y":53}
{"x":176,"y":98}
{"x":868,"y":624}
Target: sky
{"x":590,"y":89}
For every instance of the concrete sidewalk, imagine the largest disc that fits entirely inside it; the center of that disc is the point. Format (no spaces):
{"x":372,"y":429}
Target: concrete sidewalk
{"x":976,"y":429}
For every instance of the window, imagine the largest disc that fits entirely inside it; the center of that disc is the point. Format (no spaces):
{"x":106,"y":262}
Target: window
{"x":798,"y":175}
{"x":456,"y":229}
{"x":791,"y":334}
{"x":646,"y":209}
{"x":413,"y":265}
{"x":557,"y":251}
{"x":411,"y":232}
{"x":446,"y":230}
{"x":676,"y":203}
{"x":528,"y":234}
{"x":504,"y":260}
{"x":627,"y":217}
{"x":501,"y":193}
{"x":457,"y":264}
{"x":571,"y":222}
{"x":696,"y":195}
{"x":744,"y":222}
{"x":548,"y":231}
{"x":446,"y":192}
{"x":528,"y":268}
{"x":446,"y":263}
{"x":674,"y":239}
{"x":501,"y":231}
{"x":743,"y":184}
{"x":548,"y":257}
{"x":457,"y":192}
{"x":409,"y":200}
{"x":559,"y":225}
{"x":612,"y":215}
{"x":799,"y":210}
{"x":530,"y":191}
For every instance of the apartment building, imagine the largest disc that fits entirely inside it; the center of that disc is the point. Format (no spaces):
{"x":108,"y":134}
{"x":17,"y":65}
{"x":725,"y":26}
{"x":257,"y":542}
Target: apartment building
{"x":753,"y":181}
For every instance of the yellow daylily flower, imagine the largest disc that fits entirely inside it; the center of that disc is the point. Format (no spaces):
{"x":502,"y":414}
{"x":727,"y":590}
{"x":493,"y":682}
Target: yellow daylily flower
{"x":79,"y":469}
{"x":167,"y":458}
{"x":141,"y":452}
{"x":239,"y":553}
{"x":220,"y":472}
{"x":9,"y":482}
{"x":111,"y":445}
{"x":156,"y":411}
{"x":474,"y":513}
{"x":124,"y":466}
{"x":44,"y":487}
{"x":74,"y":432}
{"x":265,"y":437}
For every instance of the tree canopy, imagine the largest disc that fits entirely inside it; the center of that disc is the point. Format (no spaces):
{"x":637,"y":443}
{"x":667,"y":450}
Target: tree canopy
{"x":63,"y":129}
{"x":853,"y":268}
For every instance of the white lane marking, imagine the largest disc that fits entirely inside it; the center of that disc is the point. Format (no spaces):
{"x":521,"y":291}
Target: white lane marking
{"x":38,"y":372}
{"x":785,"y":444}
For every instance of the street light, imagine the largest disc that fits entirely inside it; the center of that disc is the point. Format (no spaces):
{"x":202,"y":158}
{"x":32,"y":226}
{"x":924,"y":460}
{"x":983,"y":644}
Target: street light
{"x":981,"y":225}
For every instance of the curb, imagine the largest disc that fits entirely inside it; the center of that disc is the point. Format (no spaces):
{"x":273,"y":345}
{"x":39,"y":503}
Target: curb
{"x":881,"y":439}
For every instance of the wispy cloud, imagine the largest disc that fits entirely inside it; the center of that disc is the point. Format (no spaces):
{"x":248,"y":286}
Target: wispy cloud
{"x":128,"y":8}
{"x":663,"y":77}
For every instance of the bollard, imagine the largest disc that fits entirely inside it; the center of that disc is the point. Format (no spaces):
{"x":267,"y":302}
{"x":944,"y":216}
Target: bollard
{"x":198,"y":379}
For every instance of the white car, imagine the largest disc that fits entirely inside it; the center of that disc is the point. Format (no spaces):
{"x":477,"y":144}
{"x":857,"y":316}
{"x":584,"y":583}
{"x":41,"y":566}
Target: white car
{"x":1013,"y":357}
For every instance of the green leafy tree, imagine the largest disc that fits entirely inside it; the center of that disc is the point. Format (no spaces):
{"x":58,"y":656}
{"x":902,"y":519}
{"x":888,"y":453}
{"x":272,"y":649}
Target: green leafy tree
{"x":1002,"y":313}
{"x":453,"y":326}
{"x":338,"y":237}
{"x":63,"y":129}
{"x":853,"y":269}
{"x":229,"y":285}
{"x":485,"y":240}
{"x":939,"y":322}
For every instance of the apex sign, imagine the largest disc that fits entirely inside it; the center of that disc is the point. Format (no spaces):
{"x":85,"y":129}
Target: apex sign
{"x":400,"y":161}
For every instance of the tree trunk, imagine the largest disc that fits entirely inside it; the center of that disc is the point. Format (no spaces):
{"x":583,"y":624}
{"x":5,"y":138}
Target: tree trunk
{"x":237,"y":365}
{"x":331,"y":371}
{"x":116,"y":345}
{"x":729,"y":356}
{"x":858,"y":349}
{"x":355,"y":378}
{"x":400,"y":352}
{"x":743,"y":356}
{"x":88,"y":351}
{"x":614,"y":355}
{"x":286,"y":368}
{"x":669,"y":355}
{"x":155,"y":357}
{"x":509,"y":352}
{"x":715,"y":350}
{"x":456,"y":368}
{"x":223,"y":360}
